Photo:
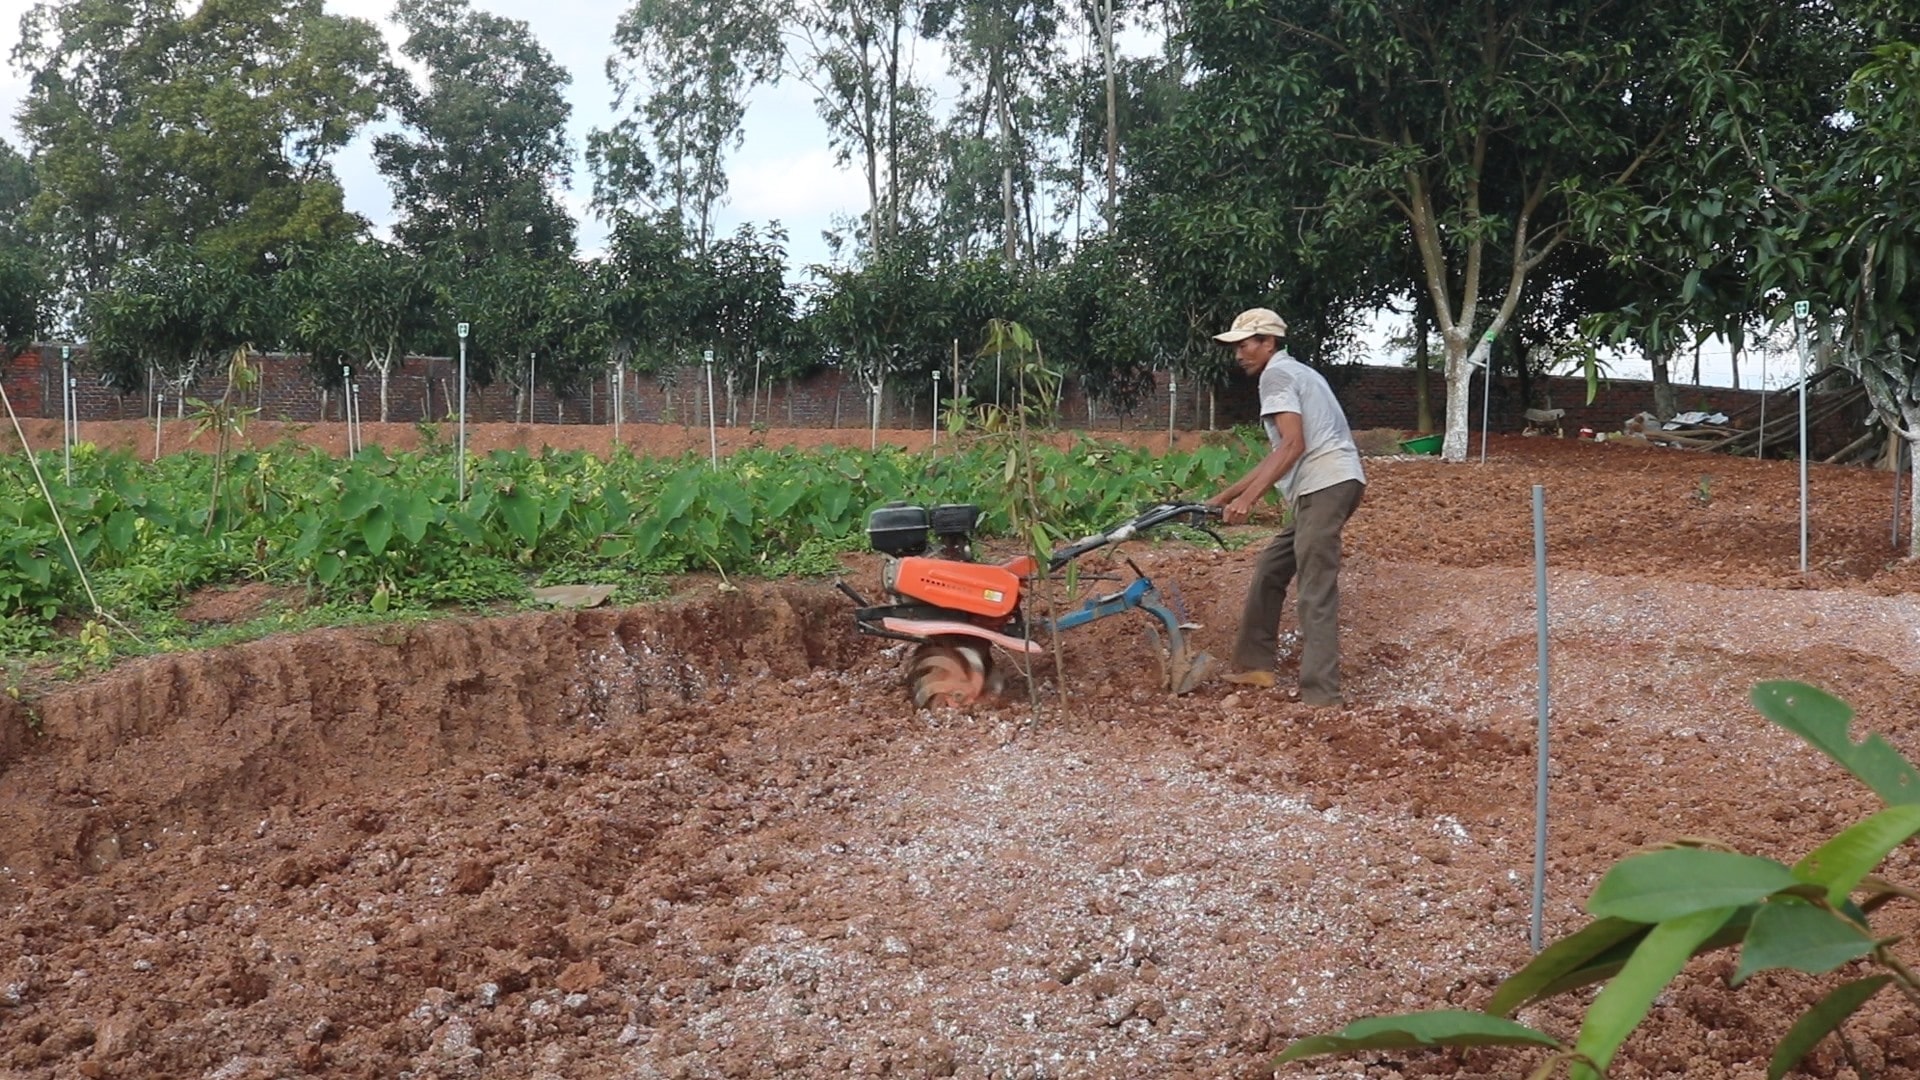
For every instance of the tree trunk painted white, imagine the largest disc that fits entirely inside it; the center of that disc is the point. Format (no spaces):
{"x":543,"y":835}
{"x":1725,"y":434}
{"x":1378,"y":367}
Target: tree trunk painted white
{"x":1461,"y":365}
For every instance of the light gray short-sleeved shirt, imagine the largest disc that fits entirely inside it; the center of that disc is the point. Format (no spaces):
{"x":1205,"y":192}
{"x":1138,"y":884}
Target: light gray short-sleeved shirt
{"x":1287,"y":385}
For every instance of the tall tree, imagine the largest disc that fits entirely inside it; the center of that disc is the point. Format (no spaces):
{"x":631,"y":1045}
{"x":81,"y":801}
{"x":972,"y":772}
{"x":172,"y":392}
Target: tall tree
{"x":653,"y":285}
{"x":999,"y":49}
{"x":857,"y":57}
{"x":1879,"y":179}
{"x":484,"y":154}
{"x":682,"y":71}
{"x":147,"y":126}
{"x":361,"y":302}
{"x":745,"y":310}
{"x":175,"y":312}
{"x":24,"y":297}
{"x":24,"y":289}
{"x":1466,"y":123}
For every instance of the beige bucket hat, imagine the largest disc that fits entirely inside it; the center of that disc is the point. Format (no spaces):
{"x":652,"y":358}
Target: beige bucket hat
{"x":1251,"y":322}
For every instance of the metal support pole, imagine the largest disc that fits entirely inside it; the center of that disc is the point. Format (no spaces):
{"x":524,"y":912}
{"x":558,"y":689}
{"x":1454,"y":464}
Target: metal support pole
{"x":619,"y":398}
{"x":1800,"y":336}
{"x":1486,"y":402}
{"x":713,"y":428}
{"x":1173,"y":396}
{"x":936,"y":406}
{"x":1540,"y":753}
{"x":66,"y":412}
{"x":159,"y":405}
{"x":460,"y":444}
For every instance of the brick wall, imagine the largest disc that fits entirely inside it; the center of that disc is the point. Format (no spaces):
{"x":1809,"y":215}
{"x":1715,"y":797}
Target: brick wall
{"x":420,"y":389}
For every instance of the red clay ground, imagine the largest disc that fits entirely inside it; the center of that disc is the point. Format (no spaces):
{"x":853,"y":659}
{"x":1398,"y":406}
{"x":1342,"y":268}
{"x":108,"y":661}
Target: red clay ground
{"x":711,"y":839}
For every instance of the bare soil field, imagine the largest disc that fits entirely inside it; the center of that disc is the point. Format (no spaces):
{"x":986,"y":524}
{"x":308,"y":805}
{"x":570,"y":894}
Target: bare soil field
{"x":712,"y":838}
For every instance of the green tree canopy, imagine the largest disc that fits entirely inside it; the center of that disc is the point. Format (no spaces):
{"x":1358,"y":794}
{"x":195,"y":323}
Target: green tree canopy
{"x":485,"y":150}
{"x":149,"y":127}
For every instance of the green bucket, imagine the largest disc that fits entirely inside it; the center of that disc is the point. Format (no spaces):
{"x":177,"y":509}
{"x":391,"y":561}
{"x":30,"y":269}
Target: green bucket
{"x":1425,"y":444}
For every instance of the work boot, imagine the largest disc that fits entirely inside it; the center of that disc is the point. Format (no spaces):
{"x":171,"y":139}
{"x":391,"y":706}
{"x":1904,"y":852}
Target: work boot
{"x":1322,"y":700}
{"x":1258,"y":680}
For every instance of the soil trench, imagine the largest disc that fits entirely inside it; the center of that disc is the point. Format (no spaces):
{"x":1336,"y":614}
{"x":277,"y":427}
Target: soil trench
{"x":711,"y":838}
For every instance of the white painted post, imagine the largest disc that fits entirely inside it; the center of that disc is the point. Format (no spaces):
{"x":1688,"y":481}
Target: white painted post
{"x":460,"y":445}
{"x":66,"y":410}
{"x":1800,"y":308}
{"x":713,"y":429}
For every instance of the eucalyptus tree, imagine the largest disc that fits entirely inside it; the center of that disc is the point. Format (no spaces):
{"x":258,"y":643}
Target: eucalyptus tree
{"x":362,"y":301}
{"x":680,"y":74}
{"x":857,"y":55}
{"x":484,"y":151}
{"x":154,"y":122}
{"x":1462,"y":126}
{"x":999,"y":48}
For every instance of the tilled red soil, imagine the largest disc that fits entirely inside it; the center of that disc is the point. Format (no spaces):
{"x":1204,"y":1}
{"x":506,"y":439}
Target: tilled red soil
{"x":712,"y":839}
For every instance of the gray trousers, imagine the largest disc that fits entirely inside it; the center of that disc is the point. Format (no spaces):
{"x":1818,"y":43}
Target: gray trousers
{"x":1310,"y":547}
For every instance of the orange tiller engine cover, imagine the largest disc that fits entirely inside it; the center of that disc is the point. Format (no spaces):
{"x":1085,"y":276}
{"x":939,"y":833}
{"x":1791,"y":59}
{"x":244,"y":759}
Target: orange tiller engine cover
{"x":975,"y":588}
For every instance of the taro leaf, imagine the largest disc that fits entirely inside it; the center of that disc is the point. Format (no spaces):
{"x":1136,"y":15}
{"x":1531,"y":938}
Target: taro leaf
{"x":358,"y":499}
{"x":646,"y":536}
{"x":1662,"y":885}
{"x":377,"y":529}
{"x":412,"y":515}
{"x":1821,"y":1020}
{"x":1595,"y":942}
{"x":729,"y":496}
{"x":120,"y":529}
{"x":37,"y":567}
{"x":467,"y":524}
{"x":783,"y":498}
{"x":1444,"y":1027}
{"x":326,"y":567}
{"x":521,"y":512}
{"x":1626,"y":999}
{"x":1822,"y":720}
{"x":1792,"y":934}
{"x":681,"y":491}
{"x":1841,"y":862}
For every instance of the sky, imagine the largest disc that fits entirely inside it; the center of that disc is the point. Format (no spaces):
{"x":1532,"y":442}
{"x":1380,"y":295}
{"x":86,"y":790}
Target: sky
{"x":784,"y":170}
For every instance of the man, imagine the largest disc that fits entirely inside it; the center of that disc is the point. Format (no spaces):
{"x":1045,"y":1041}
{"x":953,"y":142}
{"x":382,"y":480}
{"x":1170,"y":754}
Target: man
{"x":1315,"y":467}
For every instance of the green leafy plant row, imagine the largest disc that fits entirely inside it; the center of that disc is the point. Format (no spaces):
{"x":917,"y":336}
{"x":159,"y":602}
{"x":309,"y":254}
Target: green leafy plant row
{"x":1656,"y":910}
{"x":390,"y":529}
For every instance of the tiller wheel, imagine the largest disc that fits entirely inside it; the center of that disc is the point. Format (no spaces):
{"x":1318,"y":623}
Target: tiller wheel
{"x":950,"y":673}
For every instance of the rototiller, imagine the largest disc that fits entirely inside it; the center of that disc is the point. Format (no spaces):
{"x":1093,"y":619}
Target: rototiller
{"x":955,"y":610}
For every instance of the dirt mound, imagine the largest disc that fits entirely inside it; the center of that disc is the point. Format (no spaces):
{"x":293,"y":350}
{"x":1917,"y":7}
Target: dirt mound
{"x":711,"y":839}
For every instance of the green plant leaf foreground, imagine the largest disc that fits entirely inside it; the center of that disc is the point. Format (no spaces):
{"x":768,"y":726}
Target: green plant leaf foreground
{"x":1823,"y":721}
{"x":1663,"y":885}
{"x":1445,"y":1027}
{"x":1841,"y":862}
{"x":1820,"y":1021}
{"x":1591,"y":947}
{"x":1626,"y":999}
{"x":1794,"y":934}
